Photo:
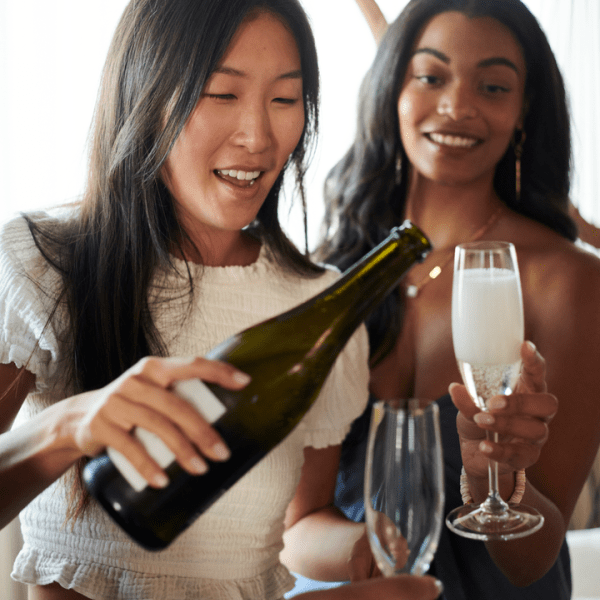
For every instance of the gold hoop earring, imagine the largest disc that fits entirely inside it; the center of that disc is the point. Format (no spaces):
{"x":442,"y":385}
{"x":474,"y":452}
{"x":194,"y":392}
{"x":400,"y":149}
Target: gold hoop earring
{"x":518,"y":141}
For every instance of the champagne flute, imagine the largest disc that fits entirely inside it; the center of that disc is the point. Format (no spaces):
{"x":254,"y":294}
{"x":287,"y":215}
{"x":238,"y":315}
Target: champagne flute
{"x":487,"y":332}
{"x":404,"y":486}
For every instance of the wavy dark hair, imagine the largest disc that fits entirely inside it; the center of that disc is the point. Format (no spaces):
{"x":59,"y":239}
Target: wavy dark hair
{"x":364,"y":196}
{"x":160,"y":59}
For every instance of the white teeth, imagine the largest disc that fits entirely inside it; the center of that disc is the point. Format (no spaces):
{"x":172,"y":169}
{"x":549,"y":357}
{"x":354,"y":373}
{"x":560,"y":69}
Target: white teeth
{"x":240,"y":175}
{"x":453,"y":140}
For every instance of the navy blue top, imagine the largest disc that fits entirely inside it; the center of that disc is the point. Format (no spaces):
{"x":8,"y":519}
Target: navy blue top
{"x":463,"y":565}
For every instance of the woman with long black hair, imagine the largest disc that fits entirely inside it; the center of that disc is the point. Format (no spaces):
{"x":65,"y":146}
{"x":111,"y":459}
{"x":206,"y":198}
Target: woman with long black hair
{"x":463,"y":127}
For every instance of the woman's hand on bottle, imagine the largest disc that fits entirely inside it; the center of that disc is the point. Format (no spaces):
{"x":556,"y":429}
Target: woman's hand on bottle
{"x":143,"y":397}
{"x":521,"y":419}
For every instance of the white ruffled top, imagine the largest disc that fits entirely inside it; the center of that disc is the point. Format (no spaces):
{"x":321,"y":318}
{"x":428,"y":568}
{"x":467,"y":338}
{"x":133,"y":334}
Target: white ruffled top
{"x":232,"y":551}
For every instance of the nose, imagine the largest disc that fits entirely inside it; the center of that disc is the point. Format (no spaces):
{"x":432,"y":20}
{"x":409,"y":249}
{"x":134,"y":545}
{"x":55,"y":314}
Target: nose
{"x":254,"y":130}
{"x":457,"y":102}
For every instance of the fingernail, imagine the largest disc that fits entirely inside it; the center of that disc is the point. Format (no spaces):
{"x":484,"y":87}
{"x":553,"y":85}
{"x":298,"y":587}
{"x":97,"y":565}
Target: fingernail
{"x":160,"y":480}
{"x":198,"y":466}
{"x":484,"y":418}
{"x":486,"y":447}
{"x":220,"y":451}
{"x":531,"y":346}
{"x":439,"y":586}
{"x":242,"y":378}
{"x":496,"y":403}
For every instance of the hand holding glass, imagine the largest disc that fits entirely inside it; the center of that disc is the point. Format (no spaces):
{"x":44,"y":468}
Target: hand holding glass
{"x":487,"y":332}
{"x":404,"y":490}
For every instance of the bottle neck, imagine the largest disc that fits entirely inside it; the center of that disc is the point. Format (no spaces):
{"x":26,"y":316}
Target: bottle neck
{"x":364,"y":285}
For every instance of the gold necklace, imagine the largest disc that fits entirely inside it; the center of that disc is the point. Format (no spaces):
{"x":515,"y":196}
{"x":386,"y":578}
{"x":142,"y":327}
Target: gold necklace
{"x":413,"y":290}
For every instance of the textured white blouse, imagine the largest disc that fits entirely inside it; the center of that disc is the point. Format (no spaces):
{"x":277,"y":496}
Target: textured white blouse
{"x":232,"y":551}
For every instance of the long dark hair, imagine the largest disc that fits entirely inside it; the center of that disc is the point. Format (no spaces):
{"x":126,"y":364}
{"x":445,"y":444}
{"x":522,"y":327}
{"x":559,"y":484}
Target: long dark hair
{"x":161,"y":56}
{"x":365,"y":192}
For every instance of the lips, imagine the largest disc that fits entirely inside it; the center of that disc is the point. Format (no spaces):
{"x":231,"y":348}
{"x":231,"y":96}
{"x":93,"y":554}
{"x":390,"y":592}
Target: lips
{"x":453,"y":140}
{"x":239,"y":177}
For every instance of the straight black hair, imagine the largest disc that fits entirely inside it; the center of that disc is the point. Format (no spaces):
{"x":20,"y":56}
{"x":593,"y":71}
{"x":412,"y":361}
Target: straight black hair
{"x":125,"y":227}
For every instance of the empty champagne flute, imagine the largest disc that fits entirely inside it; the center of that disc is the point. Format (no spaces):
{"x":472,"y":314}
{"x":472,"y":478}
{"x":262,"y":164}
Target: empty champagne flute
{"x":487,"y":332}
{"x":404,"y":486}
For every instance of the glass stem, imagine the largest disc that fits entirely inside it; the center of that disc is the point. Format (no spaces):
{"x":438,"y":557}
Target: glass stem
{"x":493,"y":502}
{"x":493,"y":467}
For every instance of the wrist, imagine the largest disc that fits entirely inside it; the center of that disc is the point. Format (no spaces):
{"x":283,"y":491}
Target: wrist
{"x":517,"y":480}
{"x":62,"y":421}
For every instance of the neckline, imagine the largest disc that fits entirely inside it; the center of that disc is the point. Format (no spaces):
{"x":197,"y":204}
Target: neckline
{"x":180,"y":264}
{"x":414,"y":289}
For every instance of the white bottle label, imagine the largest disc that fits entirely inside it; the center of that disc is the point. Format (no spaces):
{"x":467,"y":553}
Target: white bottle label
{"x":201,"y":398}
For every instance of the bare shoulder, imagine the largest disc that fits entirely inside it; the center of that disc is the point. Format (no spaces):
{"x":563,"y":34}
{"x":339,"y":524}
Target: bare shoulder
{"x":562,"y":269}
{"x":552,"y":265}
{"x":561,"y":295}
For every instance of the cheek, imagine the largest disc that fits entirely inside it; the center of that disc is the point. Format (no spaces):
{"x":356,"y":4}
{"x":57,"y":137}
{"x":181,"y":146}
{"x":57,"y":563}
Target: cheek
{"x":180,"y":154}
{"x":505,"y":129}
{"x":405,"y":106}
{"x":289,"y":133}
{"x":407,"y":118}
{"x":508,"y":119}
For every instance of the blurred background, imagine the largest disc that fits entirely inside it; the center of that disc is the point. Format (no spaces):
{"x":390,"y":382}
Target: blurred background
{"x":51,"y":56}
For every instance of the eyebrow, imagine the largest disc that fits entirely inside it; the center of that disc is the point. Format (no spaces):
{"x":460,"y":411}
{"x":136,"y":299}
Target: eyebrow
{"x":296,"y":74}
{"x":488,"y":62}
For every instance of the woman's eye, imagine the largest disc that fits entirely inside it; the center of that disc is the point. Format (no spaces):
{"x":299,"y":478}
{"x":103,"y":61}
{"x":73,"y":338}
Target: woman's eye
{"x":428,"y":79}
{"x":221,"y":96}
{"x":288,"y":101}
{"x":493,"y":88}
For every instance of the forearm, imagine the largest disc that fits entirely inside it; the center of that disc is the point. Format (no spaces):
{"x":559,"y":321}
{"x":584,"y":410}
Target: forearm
{"x":587,"y":232}
{"x":320,"y":545}
{"x":32,"y":457}
{"x":398,"y":587}
{"x":374,"y":17}
{"x":525,"y":560}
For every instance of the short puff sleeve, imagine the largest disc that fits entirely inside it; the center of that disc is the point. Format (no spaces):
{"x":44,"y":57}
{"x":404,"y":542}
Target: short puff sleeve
{"x":28,"y":287}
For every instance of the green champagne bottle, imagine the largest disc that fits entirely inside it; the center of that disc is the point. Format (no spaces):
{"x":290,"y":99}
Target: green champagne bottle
{"x":289,"y":357}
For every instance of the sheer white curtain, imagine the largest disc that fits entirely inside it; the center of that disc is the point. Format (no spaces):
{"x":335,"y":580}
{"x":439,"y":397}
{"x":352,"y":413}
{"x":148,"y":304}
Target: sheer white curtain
{"x":51,"y":55}
{"x":573,"y":29}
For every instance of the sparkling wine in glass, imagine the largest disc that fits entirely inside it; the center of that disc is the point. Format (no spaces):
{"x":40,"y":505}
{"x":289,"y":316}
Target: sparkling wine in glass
{"x":404,"y":486}
{"x":487,"y":332}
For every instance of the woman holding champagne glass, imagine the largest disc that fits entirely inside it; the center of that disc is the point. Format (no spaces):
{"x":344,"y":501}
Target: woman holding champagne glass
{"x":463,"y":127}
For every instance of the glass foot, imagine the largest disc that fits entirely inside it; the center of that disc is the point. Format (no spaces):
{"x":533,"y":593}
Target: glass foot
{"x":477,"y":522}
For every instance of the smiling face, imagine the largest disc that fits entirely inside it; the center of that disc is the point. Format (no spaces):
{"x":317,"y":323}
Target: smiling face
{"x":462,"y":98}
{"x":246,"y":124}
